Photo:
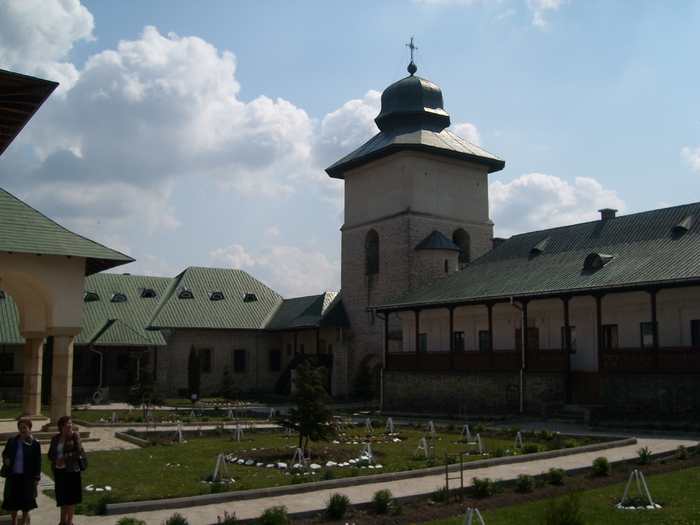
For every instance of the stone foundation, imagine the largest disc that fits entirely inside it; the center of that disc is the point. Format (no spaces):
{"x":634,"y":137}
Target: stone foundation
{"x":481,"y":393}
{"x":637,"y":397}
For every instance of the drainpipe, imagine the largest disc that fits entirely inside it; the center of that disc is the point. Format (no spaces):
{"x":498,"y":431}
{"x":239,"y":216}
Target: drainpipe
{"x":99,"y":387}
{"x":523,"y":334}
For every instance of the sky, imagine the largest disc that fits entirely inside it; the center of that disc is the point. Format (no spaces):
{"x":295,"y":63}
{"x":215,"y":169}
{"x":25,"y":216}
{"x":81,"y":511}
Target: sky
{"x":196,"y":133}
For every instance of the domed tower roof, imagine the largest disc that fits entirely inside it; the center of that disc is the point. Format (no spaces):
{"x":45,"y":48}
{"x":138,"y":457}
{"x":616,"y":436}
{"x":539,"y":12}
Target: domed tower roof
{"x":412,"y":101}
{"x":412,"y":118}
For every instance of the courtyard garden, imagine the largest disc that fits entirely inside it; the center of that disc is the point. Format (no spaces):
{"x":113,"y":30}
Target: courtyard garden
{"x":183,"y":464}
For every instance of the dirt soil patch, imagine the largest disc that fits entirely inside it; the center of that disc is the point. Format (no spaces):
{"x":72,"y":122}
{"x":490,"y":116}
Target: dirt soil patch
{"x":420,"y":510}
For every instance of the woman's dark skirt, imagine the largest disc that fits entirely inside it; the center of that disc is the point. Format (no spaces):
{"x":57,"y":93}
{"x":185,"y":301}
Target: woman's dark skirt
{"x":17,"y":498}
{"x":69,"y":487}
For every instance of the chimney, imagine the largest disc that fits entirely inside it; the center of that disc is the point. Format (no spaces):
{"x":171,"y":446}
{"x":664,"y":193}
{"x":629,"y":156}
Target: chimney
{"x":607,"y":213}
{"x":496,"y":242}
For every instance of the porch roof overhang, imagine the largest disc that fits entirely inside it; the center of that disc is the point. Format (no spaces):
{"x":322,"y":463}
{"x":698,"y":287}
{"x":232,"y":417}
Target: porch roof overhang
{"x":538,"y":295}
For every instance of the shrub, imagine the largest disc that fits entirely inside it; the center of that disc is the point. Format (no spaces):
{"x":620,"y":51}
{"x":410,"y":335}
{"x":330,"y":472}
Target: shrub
{"x":228,"y":519}
{"x":479,"y":428}
{"x":103,"y":501}
{"x":497,"y":487}
{"x":570,"y":443}
{"x":556,"y":476}
{"x":440,"y":494}
{"x":274,"y":516}
{"x":451,"y":427}
{"x":337,"y":506}
{"x":564,"y":512}
{"x":601,"y":467}
{"x":328,"y":475}
{"x":644,"y":456}
{"x":398,"y":507}
{"x":176,"y":519}
{"x":126,"y":520}
{"x":131,"y":432}
{"x":483,"y":488}
{"x":524,"y":483}
{"x":530,"y":448}
{"x":218,"y":430}
{"x":381,"y":501}
{"x":682,"y":452}
{"x":546,"y":434}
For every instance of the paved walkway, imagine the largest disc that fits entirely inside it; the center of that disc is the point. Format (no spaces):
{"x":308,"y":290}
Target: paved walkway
{"x":316,"y":501}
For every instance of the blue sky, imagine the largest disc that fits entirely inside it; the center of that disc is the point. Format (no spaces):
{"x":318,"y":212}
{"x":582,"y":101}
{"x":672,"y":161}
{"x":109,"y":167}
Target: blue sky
{"x":196,"y":133}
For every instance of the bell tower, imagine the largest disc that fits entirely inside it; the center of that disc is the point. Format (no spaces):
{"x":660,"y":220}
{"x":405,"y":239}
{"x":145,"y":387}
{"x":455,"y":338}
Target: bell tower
{"x":416,"y":209}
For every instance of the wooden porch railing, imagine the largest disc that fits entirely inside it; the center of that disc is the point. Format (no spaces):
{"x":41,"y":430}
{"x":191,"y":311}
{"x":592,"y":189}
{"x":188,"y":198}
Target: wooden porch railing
{"x":668,"y":360}
{"x":498,"y":360}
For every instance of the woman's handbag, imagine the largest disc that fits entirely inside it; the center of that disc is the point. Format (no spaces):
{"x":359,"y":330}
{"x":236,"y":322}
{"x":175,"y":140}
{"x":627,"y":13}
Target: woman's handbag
{"x":4,"y":471}
{"x":82,"y":459}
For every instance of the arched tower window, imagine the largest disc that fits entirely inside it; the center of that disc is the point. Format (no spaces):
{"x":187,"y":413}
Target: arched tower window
{"x":461,"y":239}
{"x":372,"y":253}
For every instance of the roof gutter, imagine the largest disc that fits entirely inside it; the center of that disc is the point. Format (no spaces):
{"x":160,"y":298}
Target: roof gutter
{"x":630,"y":287}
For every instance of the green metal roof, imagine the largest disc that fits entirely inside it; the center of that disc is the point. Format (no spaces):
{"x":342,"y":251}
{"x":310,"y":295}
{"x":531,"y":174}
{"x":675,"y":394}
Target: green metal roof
{"x":25,"y":230}
{"x":9,"y":322}
{"x":655,"y":248}
{"x":313,"y":311}
{"x":232,"y":312}
{"x":121,"y":323}
{"x":444,"y":143}
{"x":437,"y":241}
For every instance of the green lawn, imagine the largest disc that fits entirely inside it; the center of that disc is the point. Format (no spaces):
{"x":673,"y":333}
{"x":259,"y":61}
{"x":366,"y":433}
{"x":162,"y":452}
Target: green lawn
{"x":169,"y":470}
{"x":676,"y":491}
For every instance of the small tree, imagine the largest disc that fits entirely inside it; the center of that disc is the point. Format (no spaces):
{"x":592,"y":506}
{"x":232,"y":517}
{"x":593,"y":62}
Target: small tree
{"x":363,"y":386}
{"x":145,"y":392}
{"x":311,"y":418}
{"x":194,"y":373}
{"x":229,"y":388}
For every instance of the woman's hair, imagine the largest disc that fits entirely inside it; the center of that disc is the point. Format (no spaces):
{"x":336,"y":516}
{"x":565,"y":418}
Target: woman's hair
{"x":62,"y":421}
{"x":27,"y":422}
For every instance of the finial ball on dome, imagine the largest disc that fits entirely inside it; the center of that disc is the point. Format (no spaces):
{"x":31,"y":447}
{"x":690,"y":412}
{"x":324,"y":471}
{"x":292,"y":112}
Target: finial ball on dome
{"x":412,"y":68}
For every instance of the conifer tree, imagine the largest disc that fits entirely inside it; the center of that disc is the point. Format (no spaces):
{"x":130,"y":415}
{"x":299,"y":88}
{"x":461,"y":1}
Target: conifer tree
{"x":311,"y":418}
{"x":145,"y":393}
{"x":194,"y":373}
{"x":363,"y":386}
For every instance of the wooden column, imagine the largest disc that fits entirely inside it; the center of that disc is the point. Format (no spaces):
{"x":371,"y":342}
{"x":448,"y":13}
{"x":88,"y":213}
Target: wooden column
{"x":599,"y":328}
{"x":386,"y":338}
{"x":523,"y":332}
{"x":451,"y":309}
{"x":567,"y":346}
{"x":417,"y":313}
{"x":654,"y":331}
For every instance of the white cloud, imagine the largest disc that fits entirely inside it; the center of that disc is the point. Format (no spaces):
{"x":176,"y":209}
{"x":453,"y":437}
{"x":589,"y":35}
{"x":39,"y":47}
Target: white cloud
{"x":154,"y":111}
{"x":291,"y":271}
{"x":539,"y":6}
{"x":468,"y":132}
{"x":36,"y":34}
{"x":537,"y":201}
{"x":506,"y":14}
{"x":691,"y":157}
{"x":271,"y":233}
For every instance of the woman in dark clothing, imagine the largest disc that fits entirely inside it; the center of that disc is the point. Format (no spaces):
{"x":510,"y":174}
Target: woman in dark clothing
{"x":64,"y":451}
{"x":22,"y":459}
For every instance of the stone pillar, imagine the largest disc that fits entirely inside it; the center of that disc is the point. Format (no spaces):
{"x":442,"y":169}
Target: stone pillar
{"x":31,"y":396}
{"x":62,"y":377}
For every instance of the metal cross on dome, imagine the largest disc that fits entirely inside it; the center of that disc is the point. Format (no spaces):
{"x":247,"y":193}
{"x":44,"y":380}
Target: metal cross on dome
{"x":412,"y":48}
